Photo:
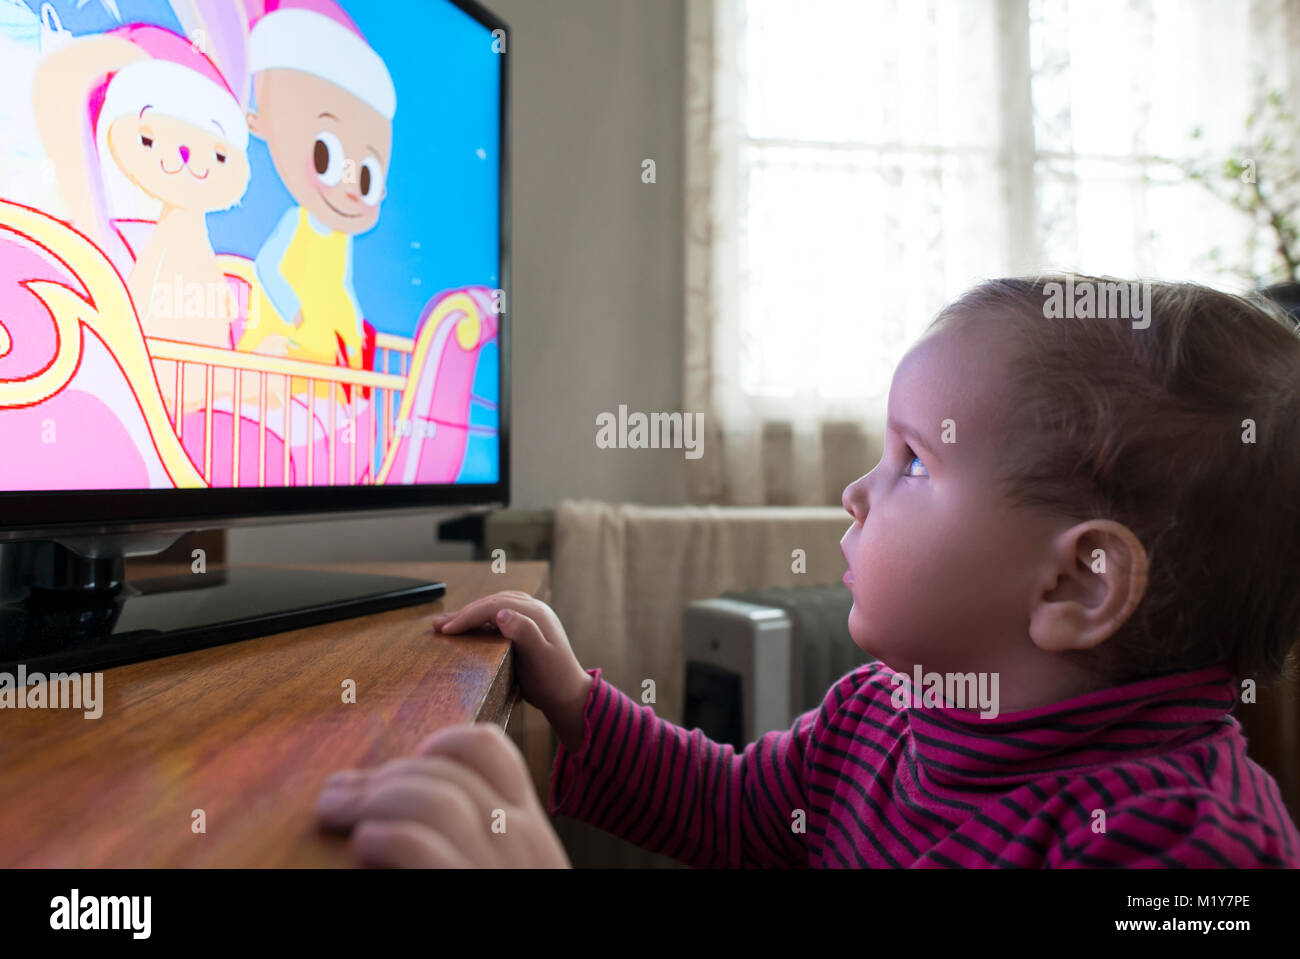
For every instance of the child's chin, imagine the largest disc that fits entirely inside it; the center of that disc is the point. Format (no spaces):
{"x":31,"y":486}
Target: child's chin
{"x":874,"y":652}
{"x":871,"y":643}
{"x":858,"y":632}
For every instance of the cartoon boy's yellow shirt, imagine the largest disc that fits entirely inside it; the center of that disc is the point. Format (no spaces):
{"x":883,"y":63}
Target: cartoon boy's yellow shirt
{"x":314,"y":267}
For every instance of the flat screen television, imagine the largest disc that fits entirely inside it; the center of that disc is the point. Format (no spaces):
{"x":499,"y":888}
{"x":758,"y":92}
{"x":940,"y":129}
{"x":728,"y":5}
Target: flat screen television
{"x":254,"y":267}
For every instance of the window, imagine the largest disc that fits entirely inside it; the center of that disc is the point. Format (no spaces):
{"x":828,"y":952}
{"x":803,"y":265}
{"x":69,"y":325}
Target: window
{"x":886,"y":154}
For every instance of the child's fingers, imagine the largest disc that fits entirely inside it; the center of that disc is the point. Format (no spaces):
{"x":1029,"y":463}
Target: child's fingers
{"x":488,"y":750}
{"x":521,"y":628}
{"x":453,"y":621}
{"x":484,"y":610}
{"x":343,"y":799}
{"x":403,"y":844}
{"x":440,"y":621}
{"x":436,"y":803}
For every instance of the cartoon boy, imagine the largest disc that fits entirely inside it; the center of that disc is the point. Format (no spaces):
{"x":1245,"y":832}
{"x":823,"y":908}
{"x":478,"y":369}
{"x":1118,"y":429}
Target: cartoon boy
{"x":324,"y":103}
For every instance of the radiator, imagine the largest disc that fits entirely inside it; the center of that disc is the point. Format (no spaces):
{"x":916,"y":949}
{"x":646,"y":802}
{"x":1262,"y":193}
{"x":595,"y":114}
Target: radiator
{"x":756,"y":660}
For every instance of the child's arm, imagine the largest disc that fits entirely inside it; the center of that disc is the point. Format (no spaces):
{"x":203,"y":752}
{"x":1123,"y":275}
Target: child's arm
{"x":674,"y":791}
{"x":624,"y":769}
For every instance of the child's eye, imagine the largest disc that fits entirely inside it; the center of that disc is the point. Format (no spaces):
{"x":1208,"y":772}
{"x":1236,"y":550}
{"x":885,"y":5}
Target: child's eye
{"x":146,"y":141}
{"x":915,"y":461}
{"x":221,"y":157}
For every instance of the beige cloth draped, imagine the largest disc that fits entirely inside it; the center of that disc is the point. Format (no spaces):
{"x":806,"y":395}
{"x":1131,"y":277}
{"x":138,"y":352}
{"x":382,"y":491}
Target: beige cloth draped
{"x":624,"y":574}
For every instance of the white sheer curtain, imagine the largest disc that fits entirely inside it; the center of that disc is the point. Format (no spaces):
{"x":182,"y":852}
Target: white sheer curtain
{"x":853,"y":164}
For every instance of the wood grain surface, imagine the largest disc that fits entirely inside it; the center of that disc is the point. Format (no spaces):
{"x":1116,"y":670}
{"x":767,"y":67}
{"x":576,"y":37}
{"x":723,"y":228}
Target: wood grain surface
{"x":248,"y":732}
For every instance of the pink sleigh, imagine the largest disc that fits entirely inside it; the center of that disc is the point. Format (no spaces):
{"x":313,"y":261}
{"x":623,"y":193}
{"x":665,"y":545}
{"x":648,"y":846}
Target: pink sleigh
{"x":435,"y":425}
{"x":261,"y":454}
{"x":87,"y":401}
{"x":255,"y":452}
{"x":69,"y":417}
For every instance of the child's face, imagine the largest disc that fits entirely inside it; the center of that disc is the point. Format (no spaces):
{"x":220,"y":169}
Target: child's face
{"x":942,"y":571}
{"x":330,"y":149}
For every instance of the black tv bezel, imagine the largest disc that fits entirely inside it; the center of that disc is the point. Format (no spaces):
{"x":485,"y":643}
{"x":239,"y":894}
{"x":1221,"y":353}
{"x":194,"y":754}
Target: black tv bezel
{"x":24,"y":513}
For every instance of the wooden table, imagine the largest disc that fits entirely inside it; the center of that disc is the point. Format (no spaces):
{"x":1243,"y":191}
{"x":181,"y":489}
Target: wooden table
{"x":248,"y":732}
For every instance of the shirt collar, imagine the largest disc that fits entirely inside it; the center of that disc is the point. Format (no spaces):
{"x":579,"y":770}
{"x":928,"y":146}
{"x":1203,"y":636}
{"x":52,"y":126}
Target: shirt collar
{"x":316,"y":224}
{"x":956,"y":747}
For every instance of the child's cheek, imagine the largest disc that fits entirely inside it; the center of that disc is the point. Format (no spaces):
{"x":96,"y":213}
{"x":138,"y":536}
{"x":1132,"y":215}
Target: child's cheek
{"x":875,"y":591}
{"x":899,"y":599}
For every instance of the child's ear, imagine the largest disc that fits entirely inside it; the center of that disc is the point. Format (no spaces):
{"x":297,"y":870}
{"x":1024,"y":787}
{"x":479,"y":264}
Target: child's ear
{"x":1094,"y":580}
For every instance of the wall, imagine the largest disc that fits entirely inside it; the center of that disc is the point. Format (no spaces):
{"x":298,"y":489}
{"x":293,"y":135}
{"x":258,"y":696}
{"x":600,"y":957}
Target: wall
{"x":598,"y":274}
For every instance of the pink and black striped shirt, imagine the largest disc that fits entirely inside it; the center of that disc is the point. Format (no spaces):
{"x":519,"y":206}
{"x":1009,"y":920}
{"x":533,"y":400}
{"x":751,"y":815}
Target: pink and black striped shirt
{"x":1150,"y":774}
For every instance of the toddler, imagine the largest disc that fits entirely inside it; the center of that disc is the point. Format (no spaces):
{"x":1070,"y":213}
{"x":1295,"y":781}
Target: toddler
{"x":1100,"y":514}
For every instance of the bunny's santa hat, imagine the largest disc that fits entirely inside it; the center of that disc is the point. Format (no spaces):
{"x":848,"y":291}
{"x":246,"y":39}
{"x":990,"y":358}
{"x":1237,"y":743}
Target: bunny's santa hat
{"x":317,"y":37}
{"x":177,"y":80}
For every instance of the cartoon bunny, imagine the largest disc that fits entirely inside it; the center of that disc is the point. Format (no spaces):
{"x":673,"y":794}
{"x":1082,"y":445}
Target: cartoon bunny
{"x":164,"y":120}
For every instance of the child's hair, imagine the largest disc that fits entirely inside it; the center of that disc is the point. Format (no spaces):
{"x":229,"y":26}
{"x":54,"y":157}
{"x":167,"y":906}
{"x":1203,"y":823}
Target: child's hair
{"x":1186,"y":432}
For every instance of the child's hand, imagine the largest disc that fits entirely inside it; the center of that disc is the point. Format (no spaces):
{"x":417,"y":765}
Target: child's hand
{"x":466,"y":800}
{"x":550,"y":676}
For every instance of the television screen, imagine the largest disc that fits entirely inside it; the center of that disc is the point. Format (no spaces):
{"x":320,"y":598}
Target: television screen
{"x":249,"y":243}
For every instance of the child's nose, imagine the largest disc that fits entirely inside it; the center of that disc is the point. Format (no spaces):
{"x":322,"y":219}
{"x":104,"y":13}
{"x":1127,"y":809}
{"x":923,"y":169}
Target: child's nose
{"x":855,"y":500}
{"x":185,"y":153}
